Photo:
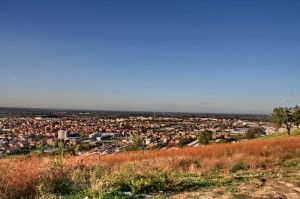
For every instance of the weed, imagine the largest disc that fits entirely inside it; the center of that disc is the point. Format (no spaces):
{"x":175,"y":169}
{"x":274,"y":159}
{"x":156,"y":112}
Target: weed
{"x":231,"y":188}
{"x":291,"y":163}
{"x":240,"y":165}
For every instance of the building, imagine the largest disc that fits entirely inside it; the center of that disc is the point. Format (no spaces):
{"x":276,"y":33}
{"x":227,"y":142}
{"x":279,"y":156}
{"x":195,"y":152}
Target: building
{"x":62,"y":135}
{"x":93,"y":136}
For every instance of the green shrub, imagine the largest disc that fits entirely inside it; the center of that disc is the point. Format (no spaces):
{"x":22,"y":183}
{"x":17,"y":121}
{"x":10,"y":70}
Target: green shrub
{"x":250,"y":134}
{"x":136,"y":144}
{"x":129,"y":180}
{"x":256,"y":131}
{"x":56,"y":181}
{"x":146,"y":183}
{"x":205,"y":136}
{"x":240,"y":165}
{"x":79,"y":181}
{"x":295,"y":162}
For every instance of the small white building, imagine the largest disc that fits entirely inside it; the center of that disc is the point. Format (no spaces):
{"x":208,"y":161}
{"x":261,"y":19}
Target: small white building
{"x":148,"y":141}
{"x":62,"y":135}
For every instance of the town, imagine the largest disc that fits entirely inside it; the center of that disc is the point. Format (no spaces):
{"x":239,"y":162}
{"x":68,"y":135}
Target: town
{"x":84,"y":133}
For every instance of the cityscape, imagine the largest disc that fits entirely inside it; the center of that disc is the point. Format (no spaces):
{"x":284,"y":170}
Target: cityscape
{"x":103,"y":133}
{"x":140,"y":99}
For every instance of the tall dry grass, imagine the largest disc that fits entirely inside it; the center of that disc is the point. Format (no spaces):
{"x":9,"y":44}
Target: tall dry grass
{"x":208,"y":157}
{"x":24,"y":177}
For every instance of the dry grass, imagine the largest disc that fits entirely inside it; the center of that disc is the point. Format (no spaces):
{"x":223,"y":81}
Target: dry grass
{"x":25,"y":176}
{"x":208,"y":157}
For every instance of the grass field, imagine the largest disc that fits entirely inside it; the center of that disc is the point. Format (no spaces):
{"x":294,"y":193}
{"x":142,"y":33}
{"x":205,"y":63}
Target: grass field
{"x":145,"y":172}
{"x":281,"y":135}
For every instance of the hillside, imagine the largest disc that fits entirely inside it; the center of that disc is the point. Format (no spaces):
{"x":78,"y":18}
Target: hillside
{"x":258,"y":168}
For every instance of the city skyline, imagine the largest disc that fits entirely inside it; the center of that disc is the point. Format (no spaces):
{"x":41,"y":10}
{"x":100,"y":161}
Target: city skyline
{"x":165,"y":56}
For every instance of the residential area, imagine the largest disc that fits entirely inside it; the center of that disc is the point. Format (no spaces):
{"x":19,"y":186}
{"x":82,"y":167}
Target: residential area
{"x":85,"y":133}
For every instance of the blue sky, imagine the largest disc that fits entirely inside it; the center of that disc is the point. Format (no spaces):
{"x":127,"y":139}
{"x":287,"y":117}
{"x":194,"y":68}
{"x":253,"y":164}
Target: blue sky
{"x":189,"y":56}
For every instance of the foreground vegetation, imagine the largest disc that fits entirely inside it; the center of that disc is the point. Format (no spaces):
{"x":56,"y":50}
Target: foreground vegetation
{"x":159,"y":173}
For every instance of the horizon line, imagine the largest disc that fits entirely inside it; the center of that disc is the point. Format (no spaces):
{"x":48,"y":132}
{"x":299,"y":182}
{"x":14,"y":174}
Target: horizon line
{"x":132,"y":111}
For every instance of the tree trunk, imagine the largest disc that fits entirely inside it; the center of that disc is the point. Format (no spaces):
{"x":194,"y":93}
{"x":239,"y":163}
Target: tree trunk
{"x":289,"y":131}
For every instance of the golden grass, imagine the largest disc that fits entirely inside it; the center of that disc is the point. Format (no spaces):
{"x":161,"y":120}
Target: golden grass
{"x":24,"y":176}
{"x":249,"y":151}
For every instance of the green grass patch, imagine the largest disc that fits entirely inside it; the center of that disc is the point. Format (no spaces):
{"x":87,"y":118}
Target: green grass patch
{"x":293,"y":163}
{"x":280,"y":135}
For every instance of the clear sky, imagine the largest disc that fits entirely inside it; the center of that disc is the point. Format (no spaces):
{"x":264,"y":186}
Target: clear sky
{"x":159,"y":55}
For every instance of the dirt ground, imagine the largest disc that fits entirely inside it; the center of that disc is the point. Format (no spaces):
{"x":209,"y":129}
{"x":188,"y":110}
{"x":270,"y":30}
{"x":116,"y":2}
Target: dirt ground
{"x":255,"y":189}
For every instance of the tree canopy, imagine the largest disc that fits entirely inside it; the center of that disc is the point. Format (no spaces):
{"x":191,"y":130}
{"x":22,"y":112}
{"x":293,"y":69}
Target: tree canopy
{"x":136,"y":144}
{"x":296,"y":115}
{"x":286,"y":117}
{"x":254,"y":132}
{"x":205,"y":136}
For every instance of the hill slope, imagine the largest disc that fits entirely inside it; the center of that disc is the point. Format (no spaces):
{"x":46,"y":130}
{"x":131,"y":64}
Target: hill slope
{"x":226,"y":169}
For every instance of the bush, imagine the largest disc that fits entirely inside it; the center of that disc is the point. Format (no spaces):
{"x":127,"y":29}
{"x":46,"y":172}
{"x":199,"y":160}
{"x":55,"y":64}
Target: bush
{"x":256,"y":131}
{"x":106,"y":185}
{"x":56,"y":180}
{"x":205,"y":136}
{"x":147,"y":182}
{"x":240,"y":165}
{"x":295,"y":162}
{"x":250,"y":134}
{"x":136,"y":144}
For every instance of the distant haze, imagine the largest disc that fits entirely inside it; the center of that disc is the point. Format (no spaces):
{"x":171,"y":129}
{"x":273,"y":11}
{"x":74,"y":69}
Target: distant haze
{"x":186,"y":56}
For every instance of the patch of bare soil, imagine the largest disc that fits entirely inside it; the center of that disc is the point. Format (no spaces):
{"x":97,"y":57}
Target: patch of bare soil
{"x":203,"y":194}
{"x":259,"y":188}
